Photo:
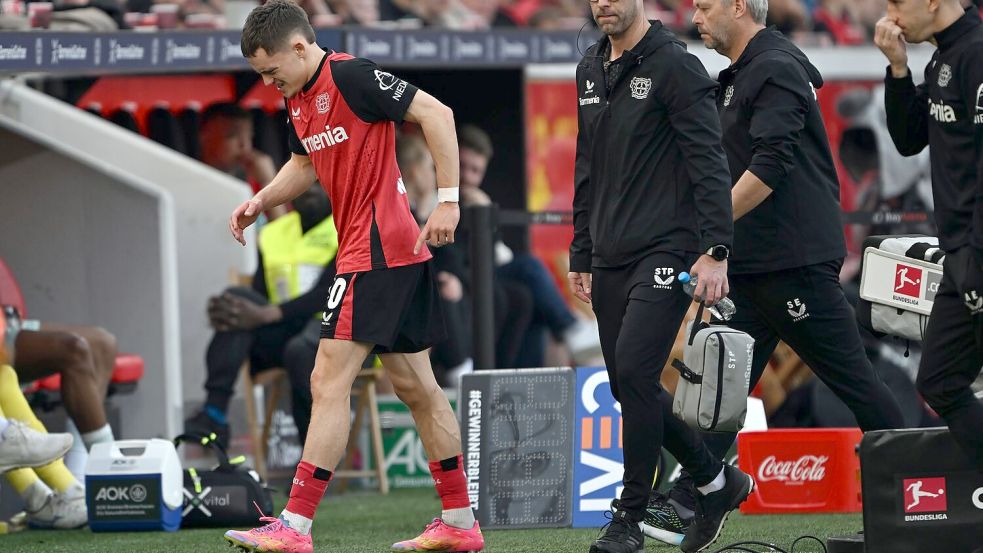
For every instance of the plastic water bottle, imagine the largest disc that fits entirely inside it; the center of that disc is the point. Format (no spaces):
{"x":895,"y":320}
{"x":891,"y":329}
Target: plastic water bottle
{"x":724,"y":309}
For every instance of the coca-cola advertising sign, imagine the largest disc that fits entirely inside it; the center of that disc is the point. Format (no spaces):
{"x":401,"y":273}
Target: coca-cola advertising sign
{"x":807,"y":468}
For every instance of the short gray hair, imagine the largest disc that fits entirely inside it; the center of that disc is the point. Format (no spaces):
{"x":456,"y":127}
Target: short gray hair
{"x":758,"y":10}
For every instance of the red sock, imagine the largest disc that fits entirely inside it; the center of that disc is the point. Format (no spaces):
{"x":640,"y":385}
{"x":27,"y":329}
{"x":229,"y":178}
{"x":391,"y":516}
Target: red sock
{"x":308,"y":489}
{"x":452,"y":485}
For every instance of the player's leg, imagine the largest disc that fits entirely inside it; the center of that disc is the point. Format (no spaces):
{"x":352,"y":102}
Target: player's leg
{"x":338,"y":362}
{"x":415,"y":385}
{"x":411,"y":292}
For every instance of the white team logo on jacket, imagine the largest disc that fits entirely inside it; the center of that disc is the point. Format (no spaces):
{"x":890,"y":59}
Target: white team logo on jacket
{"x":728,"y":94}
{"x":640,"y":87}
{"x":322,"y":102}
{"x":973,"y":302}
{"x":945,"y":75}
{"x":797,"y":309}
{"x":664,"y":278}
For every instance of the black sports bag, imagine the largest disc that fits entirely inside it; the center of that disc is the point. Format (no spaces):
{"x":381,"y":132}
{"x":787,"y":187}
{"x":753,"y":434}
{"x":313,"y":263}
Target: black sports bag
{"x":223,"y":496}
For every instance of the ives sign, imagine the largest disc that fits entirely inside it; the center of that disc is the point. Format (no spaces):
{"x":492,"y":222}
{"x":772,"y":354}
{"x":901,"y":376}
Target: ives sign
{"x":598,"y":459}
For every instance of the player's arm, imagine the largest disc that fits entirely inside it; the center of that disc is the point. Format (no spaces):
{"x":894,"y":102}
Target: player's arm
{"x":437,"y":122}
{"x":906,"y":104}
{"x":296,"y":176}
{"x":778,"y":117}
{"x":973,"y":93}
{"x":376,"y":95}
{"x":582,"y":246}
{"x":689,"y":95}
{"x":748,"y":194}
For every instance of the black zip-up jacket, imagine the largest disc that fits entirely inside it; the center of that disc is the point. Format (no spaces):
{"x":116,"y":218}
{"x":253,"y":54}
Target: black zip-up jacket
{"x":772,"y":127}
{"x":651,"y":174}
{"x":946,"y":112}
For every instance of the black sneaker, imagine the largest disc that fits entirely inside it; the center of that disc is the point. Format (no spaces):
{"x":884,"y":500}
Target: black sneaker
{"x":206,"y":427}
{"x":621,"y":535}
{"x":712,"y":510}
{"x":661,"y":521}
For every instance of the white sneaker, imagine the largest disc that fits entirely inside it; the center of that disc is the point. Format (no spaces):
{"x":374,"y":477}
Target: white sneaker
{"x":22,"y":446}
{"x":62,"y":511}
{"x":584,"y":342}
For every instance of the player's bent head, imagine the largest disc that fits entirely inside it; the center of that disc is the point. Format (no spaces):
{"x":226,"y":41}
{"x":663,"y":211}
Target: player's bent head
{"x":278,"y":42}
{"x":274,"y":27}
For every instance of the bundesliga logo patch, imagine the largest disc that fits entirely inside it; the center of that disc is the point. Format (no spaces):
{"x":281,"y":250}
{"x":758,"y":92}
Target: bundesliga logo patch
{"x":925,"y":495}
{"x":907,"y":280}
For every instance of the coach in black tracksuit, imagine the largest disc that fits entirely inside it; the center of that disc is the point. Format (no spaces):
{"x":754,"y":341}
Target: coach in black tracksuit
{"x":946,"y":113}
{"x":651,"y":198}
{"x":788,"y":235}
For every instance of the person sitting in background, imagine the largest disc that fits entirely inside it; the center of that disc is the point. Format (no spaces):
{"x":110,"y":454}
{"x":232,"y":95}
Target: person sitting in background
{"x":268,"y":322}
{"x":550,"y":310}
{"x":513,"y":302}
{"x":452,"y":357}
{"x":20,"y":445}
{"x":84,"y":357}
{"x":53,"y":496}
{"x":226,"y":136}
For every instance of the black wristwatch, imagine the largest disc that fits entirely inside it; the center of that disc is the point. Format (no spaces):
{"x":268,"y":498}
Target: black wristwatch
{"x":719,"y":252}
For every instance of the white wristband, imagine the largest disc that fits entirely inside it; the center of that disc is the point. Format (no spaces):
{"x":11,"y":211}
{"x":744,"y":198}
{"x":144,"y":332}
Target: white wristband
{"x":448,"y":194}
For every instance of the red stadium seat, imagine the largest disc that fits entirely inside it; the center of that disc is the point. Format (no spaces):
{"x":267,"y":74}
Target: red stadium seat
{"x":10,"y":293}
{"x":126,"y":374}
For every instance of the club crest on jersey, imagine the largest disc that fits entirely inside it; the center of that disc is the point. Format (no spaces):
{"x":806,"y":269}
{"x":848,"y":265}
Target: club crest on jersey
{"x":640,"y":87}
{"x":945,"y":75}
{"x":322,"y":103}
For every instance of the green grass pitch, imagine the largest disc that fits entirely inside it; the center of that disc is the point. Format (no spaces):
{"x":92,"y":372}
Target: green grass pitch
{"x":370,"y":523}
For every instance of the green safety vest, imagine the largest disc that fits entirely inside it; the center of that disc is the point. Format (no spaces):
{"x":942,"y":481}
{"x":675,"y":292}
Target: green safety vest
{"x":293,"y":261}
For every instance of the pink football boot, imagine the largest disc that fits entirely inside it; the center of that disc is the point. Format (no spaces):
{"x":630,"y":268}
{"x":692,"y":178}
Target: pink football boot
{"x":441,"y":537}
{"x":275,"y":537}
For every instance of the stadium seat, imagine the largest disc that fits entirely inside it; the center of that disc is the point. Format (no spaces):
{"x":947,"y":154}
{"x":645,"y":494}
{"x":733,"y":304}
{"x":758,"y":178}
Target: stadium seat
{"x":365,"y":403}
{"x":164,"y":128}
{"x":10,"y":293}
{"x":366,"y":400}
{"x":259,"y":429}
{"x":190,"y":120}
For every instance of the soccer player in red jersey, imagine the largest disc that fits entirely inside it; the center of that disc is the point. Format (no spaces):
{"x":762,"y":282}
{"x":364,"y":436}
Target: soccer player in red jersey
{"x":343,"y":113}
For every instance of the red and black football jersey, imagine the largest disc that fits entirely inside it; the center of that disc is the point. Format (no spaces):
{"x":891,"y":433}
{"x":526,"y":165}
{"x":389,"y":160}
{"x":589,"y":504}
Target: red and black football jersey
{"x":344,"y":120}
